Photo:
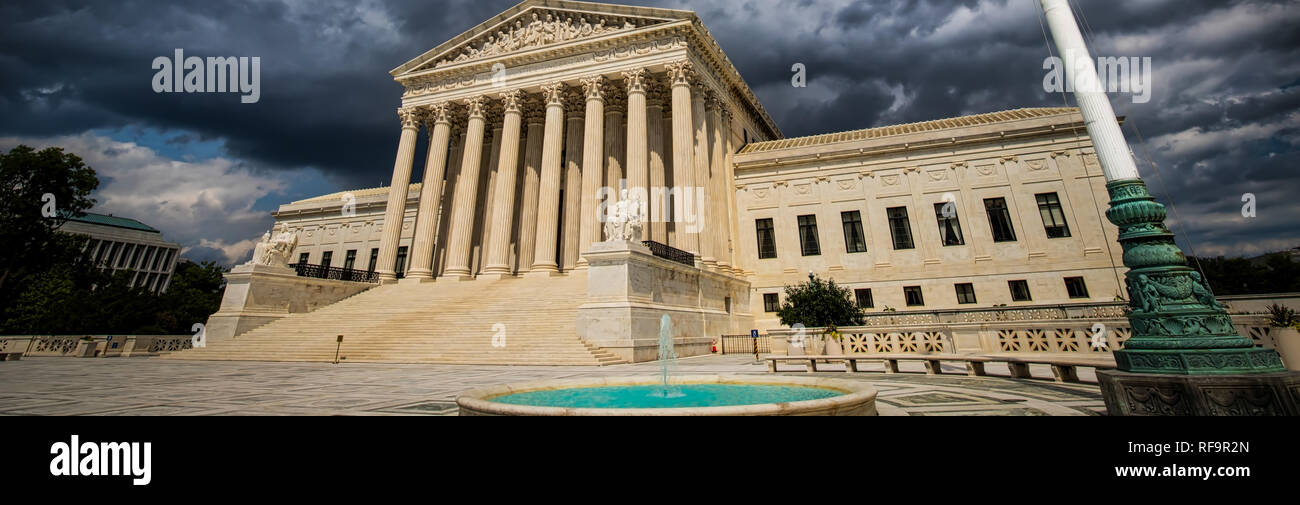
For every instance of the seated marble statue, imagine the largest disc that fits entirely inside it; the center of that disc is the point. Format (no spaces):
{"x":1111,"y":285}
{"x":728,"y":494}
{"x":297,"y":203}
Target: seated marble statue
{"x":274,"y":250}
{"x":624,"y":220}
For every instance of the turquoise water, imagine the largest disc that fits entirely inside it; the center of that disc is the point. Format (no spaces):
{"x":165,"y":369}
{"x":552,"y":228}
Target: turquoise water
{"x":653,"y":397}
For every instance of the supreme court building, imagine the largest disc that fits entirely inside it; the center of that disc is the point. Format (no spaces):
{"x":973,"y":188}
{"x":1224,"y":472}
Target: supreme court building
{"x":525,"y":128}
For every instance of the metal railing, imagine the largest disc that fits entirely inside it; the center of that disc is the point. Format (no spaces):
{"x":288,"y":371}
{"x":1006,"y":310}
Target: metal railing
{"x":744,"y":344}
{"x":334,"y":273}
{"x":670,"y":253}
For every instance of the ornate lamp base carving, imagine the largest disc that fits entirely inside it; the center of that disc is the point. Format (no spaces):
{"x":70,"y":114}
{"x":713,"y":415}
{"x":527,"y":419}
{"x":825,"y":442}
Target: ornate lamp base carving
{"x":1165,"y":394}
{"x":1178,"y":326}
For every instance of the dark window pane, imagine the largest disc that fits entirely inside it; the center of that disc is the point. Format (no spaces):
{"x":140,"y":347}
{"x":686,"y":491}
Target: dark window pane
{"x":302,"y":258}
{"x":771,"y":302}
{"x":1049,"y":207}
{"x":1076,"y":287}
{"x":374,"y":258}
{"x":949,"y":227}
{"x":999,"y":219}
{"x":808,"y":235}
{"x":401,"y":262}
{"x":913,"y":296}
{"x":326,"y":258}
{"x":1019,"y":291}
{"x":965,"y":293}
{"x":350,"y":260}
{"x":766,"y":238}
{"x":853,"y":238}
{"x":900,"y":228}
{"x":864,"y":298}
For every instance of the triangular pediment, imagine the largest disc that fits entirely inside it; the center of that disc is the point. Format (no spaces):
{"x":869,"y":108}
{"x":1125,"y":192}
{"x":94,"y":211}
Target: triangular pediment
{"x":535,"y":24}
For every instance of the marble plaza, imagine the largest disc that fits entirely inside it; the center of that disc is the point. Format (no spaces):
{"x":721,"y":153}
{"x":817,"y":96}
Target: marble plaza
{"x":150,"y":386}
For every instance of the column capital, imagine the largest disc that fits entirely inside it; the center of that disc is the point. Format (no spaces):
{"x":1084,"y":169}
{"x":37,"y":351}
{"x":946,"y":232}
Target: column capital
{"x":615,"y":101}
{"x":534,"y":112}
{"x":437,"y":113}
{"x":553,"y":94}
{"x":658,"y":94}
{"x":513,"y":100}
{"x":475,"y":106}
{"x":700,"y":91}
{"x":635,"y":80}
{"x":681,"y":73}
{"x":594,"y":87}
{"x":712,"y":103}
{"x":410,"y":117}
{"x":574,"y":104}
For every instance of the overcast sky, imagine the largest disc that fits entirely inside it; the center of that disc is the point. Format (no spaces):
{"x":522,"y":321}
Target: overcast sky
{"x":1222,"y":119}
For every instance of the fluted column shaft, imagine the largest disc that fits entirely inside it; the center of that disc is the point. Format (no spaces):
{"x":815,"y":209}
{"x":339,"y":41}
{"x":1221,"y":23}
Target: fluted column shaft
{"x":657,"y":225}
{"x":729,"y":186}
{"x":532,"y":181}
{"x":699,"y":119}
{"x":593,"y":159}
{"x":548,"y":202}
{"x":435,"y":167}
{"x":503,"y":194}
{"x":462,"y":217}
{"x":483,"y":222}
{"x":572,"y":187}
{"x":638,"y":146}
{"x":615,"y":147}
{"x":717,"y":199}
{"x":684,"y":159}
{"x":395,"y":212}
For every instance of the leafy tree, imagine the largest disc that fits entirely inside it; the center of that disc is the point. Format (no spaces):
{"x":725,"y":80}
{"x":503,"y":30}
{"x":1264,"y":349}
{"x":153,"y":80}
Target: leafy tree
{"x":28,"y":181}
{"x":819,"y":302}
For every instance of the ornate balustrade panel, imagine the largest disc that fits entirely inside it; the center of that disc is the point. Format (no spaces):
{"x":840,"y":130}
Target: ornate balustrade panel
{"x":1050,"y":336}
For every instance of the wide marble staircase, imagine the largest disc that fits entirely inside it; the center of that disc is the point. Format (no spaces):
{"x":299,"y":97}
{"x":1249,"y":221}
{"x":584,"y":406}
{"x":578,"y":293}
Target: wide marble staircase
{"x":438,"y":322}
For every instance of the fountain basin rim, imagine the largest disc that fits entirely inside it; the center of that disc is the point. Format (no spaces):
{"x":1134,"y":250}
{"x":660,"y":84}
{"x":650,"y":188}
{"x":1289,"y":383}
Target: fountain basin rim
{"x":856,"y":397}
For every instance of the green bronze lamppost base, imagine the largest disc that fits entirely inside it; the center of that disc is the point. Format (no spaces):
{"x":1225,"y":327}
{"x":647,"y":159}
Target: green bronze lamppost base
{"x":1185,"y":357}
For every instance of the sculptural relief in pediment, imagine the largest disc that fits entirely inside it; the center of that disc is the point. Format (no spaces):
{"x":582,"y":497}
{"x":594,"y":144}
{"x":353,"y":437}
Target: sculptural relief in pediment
{"x":538,"y":28}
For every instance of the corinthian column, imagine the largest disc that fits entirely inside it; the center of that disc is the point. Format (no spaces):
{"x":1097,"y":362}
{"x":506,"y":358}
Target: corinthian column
{"x":717,"y":198}
{"x":684,"y":195}
{"x":593,"y":157}
{"x":548,"y":203}
{"x":729,"y":186}
{"x":439,"y":125}
{"x":535,"y":117}
{"x":395,"y":212}
{"x":503,"y":194}
{"x":657,"y":225}
{"x":701,"y":166}
{"x":638,"y":155}
{"x":462,"y":216}
{"x":615,"y":144}
{"x":572,"y":180}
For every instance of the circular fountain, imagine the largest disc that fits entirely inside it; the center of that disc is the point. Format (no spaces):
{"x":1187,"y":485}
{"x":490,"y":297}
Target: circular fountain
{"x":672,"y":394}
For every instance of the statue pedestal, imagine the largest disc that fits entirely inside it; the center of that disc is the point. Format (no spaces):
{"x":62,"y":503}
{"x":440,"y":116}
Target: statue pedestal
{"x":258,"y":294}
{"x":1151,"y":394}
{"x":629,"y":290}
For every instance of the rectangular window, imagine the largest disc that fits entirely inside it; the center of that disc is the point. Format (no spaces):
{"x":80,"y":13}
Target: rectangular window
{"x":766,"y":238}
{"x":326,"y":258}
{"x":1075,"y":287}
{"x":112,"y":255}
{"x":1019,"y":291}
{"x":148,"y":257}
{"x":853,"y":239}
{"x":864,"y":298}
{"x":900,"y":228}
{"x":158,"y":259}
{"x":126,"y":254}
{"x":103,"y":251}
{"x":401,"y":262}
{"x":303,"y":258}
{"x":374,"y":259}
{"x":1049,"y":207}
{"x":771,"y":302}
{"x":965,"y":292}
{"x":167,"y":260}
{"x":350,"y":260}
{"x":1000,"y":219}
{"x":808,"y":235}
{"x":949,"y":226}
{"x":913,"y":296}
{"x":135,"y":257}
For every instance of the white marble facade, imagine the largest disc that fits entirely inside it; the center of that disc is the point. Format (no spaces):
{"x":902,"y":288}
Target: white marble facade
{"x":533,"y":121}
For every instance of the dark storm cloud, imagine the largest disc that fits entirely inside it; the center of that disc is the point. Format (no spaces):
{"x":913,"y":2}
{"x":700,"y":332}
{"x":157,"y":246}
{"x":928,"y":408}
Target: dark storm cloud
{"x":1222,"y":120}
